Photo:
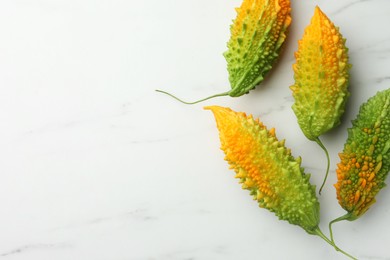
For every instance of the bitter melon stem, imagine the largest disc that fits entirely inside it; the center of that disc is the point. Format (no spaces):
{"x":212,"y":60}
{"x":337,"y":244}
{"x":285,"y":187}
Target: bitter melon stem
{"x":194,"y":102}
{"x":319,"y":233}
{"x":318,"y":141}
{"x":347,"y":216}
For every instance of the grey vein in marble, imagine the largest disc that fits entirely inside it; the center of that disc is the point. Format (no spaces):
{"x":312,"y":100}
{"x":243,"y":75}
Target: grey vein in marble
{"x":349,"y":5}
{"x":285,"y":104}
{"x":140,"y":214}
{"x":374,"y":257}
{"x":30,"y":247}
{"x":382,"y":79}
{"x":381,"y":46}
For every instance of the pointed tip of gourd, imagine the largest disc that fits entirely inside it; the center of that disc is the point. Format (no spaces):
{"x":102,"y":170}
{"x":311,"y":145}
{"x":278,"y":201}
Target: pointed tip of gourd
{"x":218,"y":111}
{"x":318,"y":11}
{"x":212,"y":108}
{"x":321,"y":15}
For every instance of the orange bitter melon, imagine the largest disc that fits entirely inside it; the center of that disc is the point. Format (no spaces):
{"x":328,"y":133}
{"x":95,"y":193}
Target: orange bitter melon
{"x":266,"y":168}
{"x":365,"y":160}
{"x":321,"y":74}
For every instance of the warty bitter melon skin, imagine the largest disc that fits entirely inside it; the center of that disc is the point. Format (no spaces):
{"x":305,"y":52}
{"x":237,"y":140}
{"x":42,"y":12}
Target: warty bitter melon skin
{"x":365,"y":160}
{"x":257,"y":37}
{"x":321,"y":74}
{"x":267,"y":169}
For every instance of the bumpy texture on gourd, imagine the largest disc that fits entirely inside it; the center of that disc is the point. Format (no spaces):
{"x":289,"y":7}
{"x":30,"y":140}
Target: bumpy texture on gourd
{"x":321,"y":77}
{"x":365,"y":160}
{"x":257,"y":35}
{"x":267,"y":169}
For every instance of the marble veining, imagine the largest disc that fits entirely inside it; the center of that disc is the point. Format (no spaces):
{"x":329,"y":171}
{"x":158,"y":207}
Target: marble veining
{"x":347,"y":6}
{"x":32,"y":247}
{"x":94,"y":164}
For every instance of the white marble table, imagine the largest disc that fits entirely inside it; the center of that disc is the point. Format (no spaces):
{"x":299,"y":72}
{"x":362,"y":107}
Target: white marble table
{"x":94,"y":164}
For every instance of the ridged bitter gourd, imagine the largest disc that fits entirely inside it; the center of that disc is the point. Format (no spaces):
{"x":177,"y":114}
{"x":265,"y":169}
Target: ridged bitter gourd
{"x":266,"y":168}
{"x":257,"y":37}
{"x":321,"y":74}
{"x":365,"y":160}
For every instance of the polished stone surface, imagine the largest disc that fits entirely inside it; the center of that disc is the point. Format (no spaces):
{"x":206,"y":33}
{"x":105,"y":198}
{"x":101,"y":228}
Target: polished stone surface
{"x":94,"y":164}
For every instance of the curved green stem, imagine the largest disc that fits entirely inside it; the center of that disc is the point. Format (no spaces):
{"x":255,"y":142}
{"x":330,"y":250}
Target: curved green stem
{"x":318,"y":141}
{"x":191,"y":103}
{"x":344,"y":217}
{"x":319,"y":233}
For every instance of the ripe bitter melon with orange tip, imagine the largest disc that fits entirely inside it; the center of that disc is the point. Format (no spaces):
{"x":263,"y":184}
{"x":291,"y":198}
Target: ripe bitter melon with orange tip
{"x":257,"y":37}
{"x":267,"y":169}
{"x":321,"y":74}
{"x":365,"y":160}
